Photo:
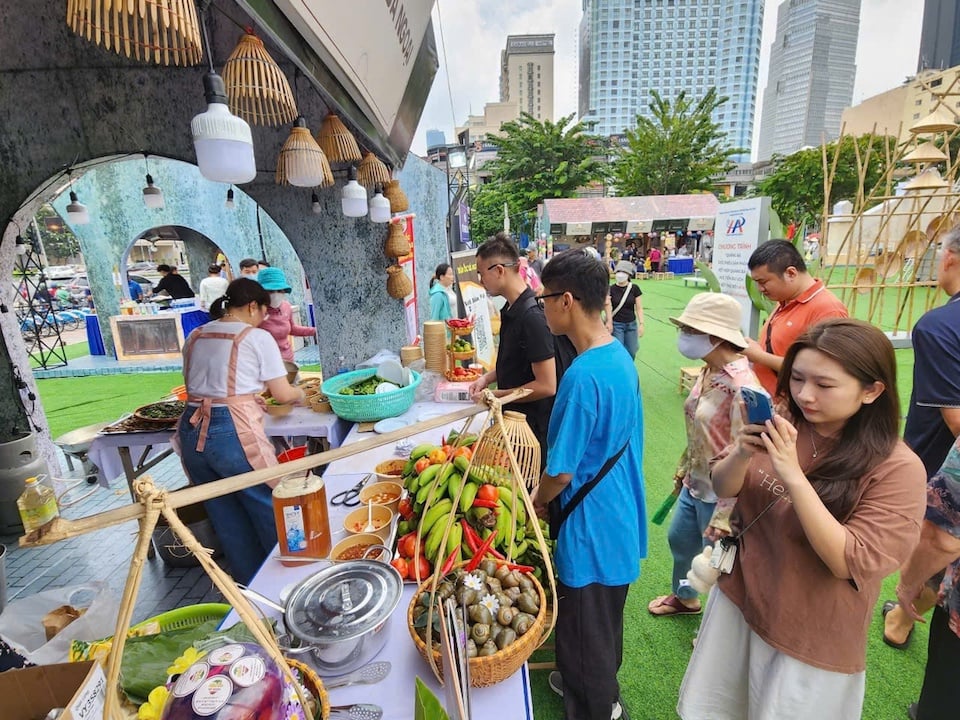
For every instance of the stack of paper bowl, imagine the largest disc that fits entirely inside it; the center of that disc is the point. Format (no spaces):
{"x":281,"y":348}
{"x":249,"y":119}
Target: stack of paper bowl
{"x":434,"y":341}
{"x":410,"y":354}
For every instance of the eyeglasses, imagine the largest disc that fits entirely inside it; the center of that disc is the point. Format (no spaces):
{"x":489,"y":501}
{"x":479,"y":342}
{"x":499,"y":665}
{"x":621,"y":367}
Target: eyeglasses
{"x":541,"y":298}
{"x":503,"y":265}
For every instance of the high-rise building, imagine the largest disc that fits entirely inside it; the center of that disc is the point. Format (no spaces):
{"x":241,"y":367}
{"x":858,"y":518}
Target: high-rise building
{"x":812,"y":67}
{"x":940,"y":36}
{"x":435,"y":138}
{"x":526,"y":74}
{"x":628,"y":47}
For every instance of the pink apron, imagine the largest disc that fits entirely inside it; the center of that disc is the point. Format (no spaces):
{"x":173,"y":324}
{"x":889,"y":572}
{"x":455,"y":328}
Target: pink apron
{"x":245,"y":410}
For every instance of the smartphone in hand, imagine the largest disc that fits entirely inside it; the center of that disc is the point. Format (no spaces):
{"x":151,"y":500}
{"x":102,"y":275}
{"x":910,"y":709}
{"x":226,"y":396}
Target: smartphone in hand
{"x":759,"y":405}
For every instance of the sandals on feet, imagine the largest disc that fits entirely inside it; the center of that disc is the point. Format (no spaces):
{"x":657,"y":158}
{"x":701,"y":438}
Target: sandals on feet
{"x":887,"y":607}
{"x":671,"y":605}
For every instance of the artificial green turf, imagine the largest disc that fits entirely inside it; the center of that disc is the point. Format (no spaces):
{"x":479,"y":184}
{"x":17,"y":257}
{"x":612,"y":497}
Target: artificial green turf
{"x":72,"y":352}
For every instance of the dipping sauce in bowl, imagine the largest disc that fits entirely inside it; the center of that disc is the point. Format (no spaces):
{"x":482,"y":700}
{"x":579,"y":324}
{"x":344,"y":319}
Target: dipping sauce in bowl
{"x":353,"y":547}
{"x":380,"y":515}
{"x":382,"y":493}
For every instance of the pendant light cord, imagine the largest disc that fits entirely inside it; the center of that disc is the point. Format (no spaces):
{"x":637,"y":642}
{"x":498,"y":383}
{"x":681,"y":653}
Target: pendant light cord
{"x":204,"y":6}
{"x":263,"y":253}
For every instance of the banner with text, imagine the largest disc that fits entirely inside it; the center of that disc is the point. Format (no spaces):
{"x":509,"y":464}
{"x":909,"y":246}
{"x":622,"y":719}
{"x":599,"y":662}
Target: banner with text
{"x":739,"y":228}
{"x":476,"y":302}
{"x":407,"y":263}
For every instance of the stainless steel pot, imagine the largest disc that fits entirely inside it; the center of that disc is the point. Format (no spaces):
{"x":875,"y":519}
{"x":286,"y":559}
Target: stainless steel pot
{"x":337,"y":619}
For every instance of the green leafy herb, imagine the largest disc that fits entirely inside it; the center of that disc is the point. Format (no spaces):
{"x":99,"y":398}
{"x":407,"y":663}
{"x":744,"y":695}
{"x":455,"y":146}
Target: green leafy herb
{"x":426,"y":704}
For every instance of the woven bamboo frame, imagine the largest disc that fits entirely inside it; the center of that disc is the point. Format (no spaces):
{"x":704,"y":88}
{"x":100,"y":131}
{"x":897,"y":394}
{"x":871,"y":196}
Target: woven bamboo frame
{"x":398,"y":284}
{"x":337,"y":141}
{"x":257,"y":89}
{"x":396,"y":245}
{"x":397,"y":197}
{"x":372,"y":172}
{"x":300,"y":142}
{"x":165,"y":32}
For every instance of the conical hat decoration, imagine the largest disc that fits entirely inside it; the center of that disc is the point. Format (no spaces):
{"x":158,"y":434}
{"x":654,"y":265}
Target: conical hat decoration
{"x":940,"y":120}
{"x":925,"y":153}
{"x":929,"y":179}
{"x":941,"y":224}
{"x":889,"y":264}
{"x":913,"y":244}
{"x":865,"y":278}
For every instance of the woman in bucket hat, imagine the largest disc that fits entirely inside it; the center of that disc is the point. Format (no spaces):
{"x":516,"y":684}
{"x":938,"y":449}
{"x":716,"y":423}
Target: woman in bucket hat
{"x":625,"y":322}
{"x":279,"y":320}
{"x":709,"y":331}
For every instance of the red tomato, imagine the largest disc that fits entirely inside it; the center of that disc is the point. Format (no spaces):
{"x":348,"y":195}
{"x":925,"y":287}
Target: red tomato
{"x":405,"y":508}
{"x":408,"y":547}
{"x":488,"y":492}
{"x":420,"y":569}
{"x":401,"y":565}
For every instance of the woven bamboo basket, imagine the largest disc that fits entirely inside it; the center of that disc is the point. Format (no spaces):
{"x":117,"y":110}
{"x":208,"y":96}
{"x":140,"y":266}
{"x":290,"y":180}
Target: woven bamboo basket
{"x":397,"y":197}
{"x":489,"y":670}
{"x":491,"y":448}
{"x":337,"y":141}
{"x":372,"y":172}
{"x":165,"y":32}
{"x":398,"y":284}
{"x":301,"y":157}
{"x":257,"y":89}
{"x":396,"y":245}
{"x":313,"y":683}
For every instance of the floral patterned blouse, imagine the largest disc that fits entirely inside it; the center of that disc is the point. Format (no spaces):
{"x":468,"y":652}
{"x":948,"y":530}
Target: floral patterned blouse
{"x":943,"y":510}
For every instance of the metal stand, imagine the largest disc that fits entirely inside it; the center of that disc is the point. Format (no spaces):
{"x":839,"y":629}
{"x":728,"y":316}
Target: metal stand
{"x":39,"y":324}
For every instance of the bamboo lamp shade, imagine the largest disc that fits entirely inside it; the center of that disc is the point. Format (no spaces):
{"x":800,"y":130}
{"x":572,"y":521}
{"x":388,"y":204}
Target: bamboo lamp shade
{"x":491,"y":447}
{"x":396,"y":245}
{"x":398,"y":284}
{"x":257,"y":89}
{"x":864,"y":280}
{"x":337,"y":141}
{"x":397,"y":197}
{"x":889,"y":265}
{"x":164,"y":32}
{"x":929,"y":179}
{"x":372,"y":172}
{"x":302,"y":162}
{"x":925,"y":153}
{"x":913,"y":244}
{"x":940,"y":120}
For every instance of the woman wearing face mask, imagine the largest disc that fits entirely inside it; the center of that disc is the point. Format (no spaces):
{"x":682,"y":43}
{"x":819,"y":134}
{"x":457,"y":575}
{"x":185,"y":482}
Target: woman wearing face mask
{"x":279,"y":320}
{"x":625,"y":321}
{"x":709,"y":331}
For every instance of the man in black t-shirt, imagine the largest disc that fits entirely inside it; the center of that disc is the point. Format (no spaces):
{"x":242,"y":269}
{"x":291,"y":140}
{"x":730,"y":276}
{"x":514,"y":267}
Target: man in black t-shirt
{"x":526,"y":358}
{"x":172,"y":284}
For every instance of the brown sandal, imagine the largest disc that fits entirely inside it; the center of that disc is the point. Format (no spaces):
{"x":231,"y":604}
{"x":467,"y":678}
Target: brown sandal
{"x":671,"y":605}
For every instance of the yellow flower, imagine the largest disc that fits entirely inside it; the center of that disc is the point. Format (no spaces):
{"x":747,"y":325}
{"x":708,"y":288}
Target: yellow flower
{"x":153,"y":707}
{"x":189,"y":657}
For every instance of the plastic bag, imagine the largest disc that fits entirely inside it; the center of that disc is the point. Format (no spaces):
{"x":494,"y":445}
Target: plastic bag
{"x":21,"y":622}
{"x":380,"y":357}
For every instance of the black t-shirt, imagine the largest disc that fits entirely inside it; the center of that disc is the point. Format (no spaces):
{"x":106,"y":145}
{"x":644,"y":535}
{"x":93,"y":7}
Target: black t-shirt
{"x":175,"y":285}
{"x":525,"y":339}
{"x":628,"y":312}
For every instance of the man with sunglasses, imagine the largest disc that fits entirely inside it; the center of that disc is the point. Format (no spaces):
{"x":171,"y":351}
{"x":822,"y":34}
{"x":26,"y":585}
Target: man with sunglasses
{"x":528,"y":354}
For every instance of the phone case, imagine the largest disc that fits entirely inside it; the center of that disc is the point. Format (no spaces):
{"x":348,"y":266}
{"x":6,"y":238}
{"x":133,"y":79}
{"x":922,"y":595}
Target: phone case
{"x":759,"y":405}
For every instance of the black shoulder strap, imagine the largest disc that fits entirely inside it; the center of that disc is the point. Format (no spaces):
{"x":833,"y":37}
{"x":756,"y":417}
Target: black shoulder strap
{"x":587,"y":487}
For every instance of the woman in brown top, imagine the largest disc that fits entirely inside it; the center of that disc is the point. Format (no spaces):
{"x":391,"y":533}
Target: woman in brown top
{"x":830,"y":501}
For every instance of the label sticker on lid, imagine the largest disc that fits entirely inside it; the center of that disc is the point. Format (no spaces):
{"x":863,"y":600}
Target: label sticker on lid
{"x":225,"y":655}
{"x":247,"y":671}
{"x":191,"y":679}
{"x":212,"y":695}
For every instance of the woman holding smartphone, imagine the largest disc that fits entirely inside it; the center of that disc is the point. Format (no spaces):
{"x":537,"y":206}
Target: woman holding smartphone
{"x":829,"y":502}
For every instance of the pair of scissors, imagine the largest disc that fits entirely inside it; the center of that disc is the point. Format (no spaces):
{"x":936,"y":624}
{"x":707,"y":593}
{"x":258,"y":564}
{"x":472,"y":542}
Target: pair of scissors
{"x":350,"y":497}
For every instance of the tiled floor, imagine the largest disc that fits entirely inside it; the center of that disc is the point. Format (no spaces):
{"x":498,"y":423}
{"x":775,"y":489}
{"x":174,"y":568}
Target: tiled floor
{"x":104,"y":555}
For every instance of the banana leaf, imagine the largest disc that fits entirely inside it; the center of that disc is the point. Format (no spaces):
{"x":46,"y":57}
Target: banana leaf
{"x":426,"y":704}
{"x":760,"y":301}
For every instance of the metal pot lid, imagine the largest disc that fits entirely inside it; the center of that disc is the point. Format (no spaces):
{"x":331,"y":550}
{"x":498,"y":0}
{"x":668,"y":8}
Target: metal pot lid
{"x":343,"y":601}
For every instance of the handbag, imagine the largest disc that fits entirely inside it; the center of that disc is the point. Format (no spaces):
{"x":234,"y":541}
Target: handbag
{"x":558,"y":514}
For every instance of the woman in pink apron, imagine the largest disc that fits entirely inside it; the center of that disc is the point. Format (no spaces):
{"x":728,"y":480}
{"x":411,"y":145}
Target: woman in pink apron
{"x":226,"y":363}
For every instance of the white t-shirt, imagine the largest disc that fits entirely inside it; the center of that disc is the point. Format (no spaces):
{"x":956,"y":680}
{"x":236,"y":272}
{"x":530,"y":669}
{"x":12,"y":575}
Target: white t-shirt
{"x":258,"y":360}
{"x":211,"y":288}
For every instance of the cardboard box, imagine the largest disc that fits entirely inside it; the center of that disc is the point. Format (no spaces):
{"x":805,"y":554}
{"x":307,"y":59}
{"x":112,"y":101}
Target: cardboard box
{"x":30,"y":693}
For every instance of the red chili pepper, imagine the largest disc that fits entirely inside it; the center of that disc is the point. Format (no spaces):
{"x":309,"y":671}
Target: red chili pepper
{"x":470,"y":535}
{"x":480,"y":502}
{"x":448,"y":563}
{"x":519,"y":568}
{"x":481,"y":553}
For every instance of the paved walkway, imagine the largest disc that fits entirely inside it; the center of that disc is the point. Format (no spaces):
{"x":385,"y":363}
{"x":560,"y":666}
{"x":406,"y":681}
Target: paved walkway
{"x":104,"y":555}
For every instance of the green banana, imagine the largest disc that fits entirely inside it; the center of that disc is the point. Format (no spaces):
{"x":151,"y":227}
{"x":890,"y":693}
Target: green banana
{"x":453,"y":485}
{"x":436,"y":512}
{"x":504,"y":523}
{"x":428,"y":473}
{"x":454,"y":538}
{"x":465,"y":549}
{"x":506,"y":496}
{"x":519,"y":548}
{"x":461,"y":463}
{"x":411,"y":482}
{"x":420,"y":450}
{"x":468,"y":495}
{"x":408,"y":468}
{"x":431,"y":548}
{"x":465,"y":441}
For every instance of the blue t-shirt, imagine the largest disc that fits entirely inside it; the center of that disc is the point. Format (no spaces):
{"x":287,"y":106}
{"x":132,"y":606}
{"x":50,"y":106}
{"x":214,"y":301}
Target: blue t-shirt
{"x":136,"y":292}
{"x":597,"y":408}
{"x":936,"y":383}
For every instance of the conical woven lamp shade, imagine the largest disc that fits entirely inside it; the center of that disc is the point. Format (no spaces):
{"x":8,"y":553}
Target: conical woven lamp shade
{"x":925,"y":153}
{"x":165,"y":32}
{"x":337,"y":142}
{"x":397,"y":197}
{"x":929,"y":179}
{"x":257,"y":89}
{"x":940,"y":120}
{"x":372,"y":172}
{"x":302,"y":162}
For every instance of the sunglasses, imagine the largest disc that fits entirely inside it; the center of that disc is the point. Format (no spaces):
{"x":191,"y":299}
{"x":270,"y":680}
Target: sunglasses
{"x":541,"y":298}
{"x":503,"y":265}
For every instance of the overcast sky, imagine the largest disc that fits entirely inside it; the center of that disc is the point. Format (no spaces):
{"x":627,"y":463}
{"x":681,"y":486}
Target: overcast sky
{"x":475,"y":31}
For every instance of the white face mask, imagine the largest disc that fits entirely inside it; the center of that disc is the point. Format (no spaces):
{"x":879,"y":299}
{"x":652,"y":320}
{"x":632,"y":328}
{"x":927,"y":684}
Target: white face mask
{"x":695,"y":347}
{"x":276,"y":299}
{"x":621,"y":278}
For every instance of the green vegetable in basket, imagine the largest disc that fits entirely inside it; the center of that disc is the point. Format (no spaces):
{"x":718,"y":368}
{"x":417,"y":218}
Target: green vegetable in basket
{"x":363,"y":387}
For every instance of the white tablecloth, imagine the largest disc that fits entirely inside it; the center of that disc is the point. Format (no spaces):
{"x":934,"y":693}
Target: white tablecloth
{"x":508,"y":700}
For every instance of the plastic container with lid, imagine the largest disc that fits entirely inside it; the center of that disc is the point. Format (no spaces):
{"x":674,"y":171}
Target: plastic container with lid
{"x":37,"y":505}
{"x":300,"y":511}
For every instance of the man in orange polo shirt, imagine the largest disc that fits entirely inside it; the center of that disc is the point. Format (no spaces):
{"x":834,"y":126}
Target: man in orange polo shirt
{"x":803,"y":300}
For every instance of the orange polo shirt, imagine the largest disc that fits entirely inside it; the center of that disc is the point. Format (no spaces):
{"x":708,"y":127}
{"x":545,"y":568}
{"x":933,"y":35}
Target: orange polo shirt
{"x":789,"y":320}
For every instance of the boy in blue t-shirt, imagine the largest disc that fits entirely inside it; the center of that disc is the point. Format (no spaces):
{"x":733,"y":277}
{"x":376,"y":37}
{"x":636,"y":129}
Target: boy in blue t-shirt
{"x":597,"y":422}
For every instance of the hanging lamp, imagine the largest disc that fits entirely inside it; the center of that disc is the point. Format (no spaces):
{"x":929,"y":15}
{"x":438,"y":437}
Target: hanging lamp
{"x":165,"y":32}
{"x":379,"y":207}
{"x":301,"y":162}
{"x":353,"y":197}
{"x":76,"y":211}
{"x":257,"y":89}
{"x":337,"y":142}
{"x":315,"y":204}
{"x":229,"y":203}
{"x":152,"y":195}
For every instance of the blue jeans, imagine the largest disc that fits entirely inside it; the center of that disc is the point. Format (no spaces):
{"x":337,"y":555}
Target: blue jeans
{"x":690,"y":519}
{"x":243,"y":520}
{"x":626,"y":333}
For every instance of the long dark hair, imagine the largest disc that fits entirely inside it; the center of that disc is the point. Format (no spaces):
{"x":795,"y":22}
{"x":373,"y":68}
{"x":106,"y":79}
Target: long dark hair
{"x":868,"y":437}
{"x":240,"y":293}
{"x":439,"y":273}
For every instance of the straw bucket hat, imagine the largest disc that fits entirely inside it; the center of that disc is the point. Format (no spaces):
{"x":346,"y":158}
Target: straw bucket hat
{"x":626,"y":266}
{"x":714,"y":314}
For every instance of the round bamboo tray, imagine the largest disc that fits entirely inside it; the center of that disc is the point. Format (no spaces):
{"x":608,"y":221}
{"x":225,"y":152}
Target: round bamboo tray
{"x":460,"y":330}
{"x":464,"y":355}
{"x":489,"y":670}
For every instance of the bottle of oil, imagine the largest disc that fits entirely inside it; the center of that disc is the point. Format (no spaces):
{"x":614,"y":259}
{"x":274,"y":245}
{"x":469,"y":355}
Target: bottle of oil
{"x":300,"y":511}
{"x":37,"y":505}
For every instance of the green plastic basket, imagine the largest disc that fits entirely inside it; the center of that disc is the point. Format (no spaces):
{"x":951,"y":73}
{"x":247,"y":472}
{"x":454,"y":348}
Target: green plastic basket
{"x":187,"y":617}
{"x":368,"y":408}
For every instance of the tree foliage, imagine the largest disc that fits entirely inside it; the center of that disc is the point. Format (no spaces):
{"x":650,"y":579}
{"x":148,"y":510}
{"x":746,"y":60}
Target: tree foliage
{"x":679,"y":150}
{"x":58,"y":242}
{"x":535,"y":160}
{"x":796,"y":186}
